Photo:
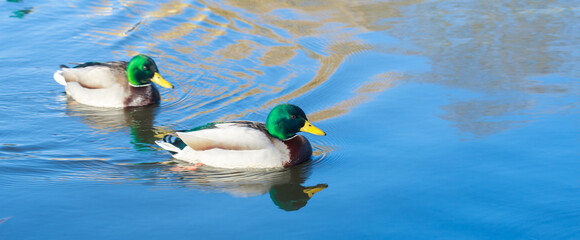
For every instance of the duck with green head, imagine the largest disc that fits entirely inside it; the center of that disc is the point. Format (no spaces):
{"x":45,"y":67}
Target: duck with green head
{"x":113,"y":84}
{"x":245,"y":144}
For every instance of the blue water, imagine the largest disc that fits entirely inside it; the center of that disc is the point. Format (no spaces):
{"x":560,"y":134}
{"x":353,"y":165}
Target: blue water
{"x":445,"y":119}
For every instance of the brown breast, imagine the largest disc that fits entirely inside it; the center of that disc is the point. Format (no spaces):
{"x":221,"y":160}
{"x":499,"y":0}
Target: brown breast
{"x":142,"y":96}
{"x":300,"y":150}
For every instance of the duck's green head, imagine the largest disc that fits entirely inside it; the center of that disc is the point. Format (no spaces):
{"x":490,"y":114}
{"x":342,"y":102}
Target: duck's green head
{"x":142,"y":70}
{"x":285,"y":120}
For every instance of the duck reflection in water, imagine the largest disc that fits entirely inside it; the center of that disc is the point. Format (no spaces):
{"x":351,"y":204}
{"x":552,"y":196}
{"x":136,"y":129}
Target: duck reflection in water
{"x":138,"y":120}
{"x":291,"y":197}
{"x":285,"y":186}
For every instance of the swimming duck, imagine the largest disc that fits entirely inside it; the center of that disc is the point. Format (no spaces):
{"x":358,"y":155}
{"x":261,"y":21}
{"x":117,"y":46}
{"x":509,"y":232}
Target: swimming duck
{"x":113,"y":84}
{"x":245,"y":144}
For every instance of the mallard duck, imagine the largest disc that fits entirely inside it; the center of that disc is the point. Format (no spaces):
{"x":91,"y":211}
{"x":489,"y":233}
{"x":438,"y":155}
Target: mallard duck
{"x":245,"y":144}
{"x":113,"y":84}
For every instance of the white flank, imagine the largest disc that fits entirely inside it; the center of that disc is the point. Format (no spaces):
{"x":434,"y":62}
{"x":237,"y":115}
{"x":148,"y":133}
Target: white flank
{"x":231,"y":146}
{"x":103,"y":97}
{"x":222,"y":158}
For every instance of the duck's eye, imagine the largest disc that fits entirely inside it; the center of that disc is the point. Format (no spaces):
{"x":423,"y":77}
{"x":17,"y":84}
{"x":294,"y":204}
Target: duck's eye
{"x":145,"y":67}
{"x":293,"y":116}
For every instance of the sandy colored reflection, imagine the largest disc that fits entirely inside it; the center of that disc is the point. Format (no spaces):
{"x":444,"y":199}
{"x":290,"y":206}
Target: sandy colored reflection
{"x":352,"y":13}
{"x":329,"y":65}
{"x":235,"y":44}
{"x":472,"y":116}
{"x":278,"y":55}
{"x":509,"y":53}
{"x":362,"y":94}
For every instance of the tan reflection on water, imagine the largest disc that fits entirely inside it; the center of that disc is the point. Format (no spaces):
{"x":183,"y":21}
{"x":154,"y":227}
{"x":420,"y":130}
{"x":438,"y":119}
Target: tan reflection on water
{"x":278,"y":55}
{"x":500,"y":49}
{"x":106,"y":8}
{"x":365,"y":14}
{"x":363,"y":94}
{"x":332,"y":46}
{"x":335,"y":47}
{"x":467,"y":115}
{"x":328,"y":66}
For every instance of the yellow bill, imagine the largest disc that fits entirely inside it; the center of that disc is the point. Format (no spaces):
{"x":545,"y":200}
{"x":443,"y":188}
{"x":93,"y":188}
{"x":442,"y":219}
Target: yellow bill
{"x":309,"y":128}
{"x":162,"y":82}
{"x":312,"y":190}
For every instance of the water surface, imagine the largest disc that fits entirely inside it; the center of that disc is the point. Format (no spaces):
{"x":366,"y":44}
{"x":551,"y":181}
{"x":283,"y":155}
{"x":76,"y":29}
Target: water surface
{"x":445,"y":119}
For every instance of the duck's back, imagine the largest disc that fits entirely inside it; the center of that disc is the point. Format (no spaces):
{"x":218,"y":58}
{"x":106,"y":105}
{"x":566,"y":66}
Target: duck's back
{"x":95,"y":75}
{"x":228,"y":135}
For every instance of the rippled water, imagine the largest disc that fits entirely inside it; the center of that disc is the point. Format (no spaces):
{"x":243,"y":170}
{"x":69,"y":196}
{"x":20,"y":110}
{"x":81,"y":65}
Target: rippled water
{"x":445,"y":119}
